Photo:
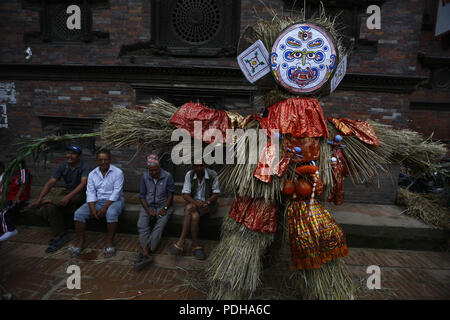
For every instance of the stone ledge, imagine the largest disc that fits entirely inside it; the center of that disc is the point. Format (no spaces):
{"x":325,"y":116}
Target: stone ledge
{"x":365,"y":225}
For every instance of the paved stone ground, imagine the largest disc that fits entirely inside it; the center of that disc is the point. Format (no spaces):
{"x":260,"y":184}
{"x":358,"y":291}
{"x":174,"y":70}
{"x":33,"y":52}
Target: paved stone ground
{"x":28,"y":273}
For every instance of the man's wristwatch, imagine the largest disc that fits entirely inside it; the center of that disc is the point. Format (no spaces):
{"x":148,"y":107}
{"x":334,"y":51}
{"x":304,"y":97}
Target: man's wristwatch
{"x":165,"y":208}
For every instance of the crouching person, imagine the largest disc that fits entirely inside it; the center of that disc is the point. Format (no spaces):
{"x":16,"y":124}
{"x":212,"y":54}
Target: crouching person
{"x":104,"y":198}
{"x":19,"y":193}
{"x":200,"y":190}
{"x":156,"y":194}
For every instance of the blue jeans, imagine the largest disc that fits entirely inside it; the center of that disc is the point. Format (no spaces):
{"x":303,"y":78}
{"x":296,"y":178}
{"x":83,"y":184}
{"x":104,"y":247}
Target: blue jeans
{"x":112,"y":214}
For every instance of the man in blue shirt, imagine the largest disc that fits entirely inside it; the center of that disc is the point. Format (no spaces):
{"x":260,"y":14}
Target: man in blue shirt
{"x":60,"y":202}
{"x":104,"y":198}
{"x":156,"y":194}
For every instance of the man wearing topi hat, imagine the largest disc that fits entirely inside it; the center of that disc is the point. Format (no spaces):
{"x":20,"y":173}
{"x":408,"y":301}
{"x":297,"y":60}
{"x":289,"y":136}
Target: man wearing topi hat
{"x":156,"y":194}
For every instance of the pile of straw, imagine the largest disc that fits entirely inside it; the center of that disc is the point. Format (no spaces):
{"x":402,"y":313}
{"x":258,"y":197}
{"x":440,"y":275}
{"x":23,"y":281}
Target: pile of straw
{"x":234,"y":267}
{"x":150,"y":128}
{"x":424,"y":209}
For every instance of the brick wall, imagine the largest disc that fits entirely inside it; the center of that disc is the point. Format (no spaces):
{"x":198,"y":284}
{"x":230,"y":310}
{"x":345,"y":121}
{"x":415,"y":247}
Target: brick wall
{"x":128,"y":22}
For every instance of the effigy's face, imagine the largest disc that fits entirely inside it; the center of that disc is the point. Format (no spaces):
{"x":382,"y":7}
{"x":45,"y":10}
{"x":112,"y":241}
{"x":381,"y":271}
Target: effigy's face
{"x":303,"y":58}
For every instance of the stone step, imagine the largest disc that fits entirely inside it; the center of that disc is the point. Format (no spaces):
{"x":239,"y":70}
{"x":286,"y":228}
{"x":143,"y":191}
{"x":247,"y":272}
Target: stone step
{"x":365,"y":225}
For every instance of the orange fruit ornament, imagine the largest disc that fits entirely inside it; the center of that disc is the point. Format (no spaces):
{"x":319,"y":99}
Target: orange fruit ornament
{"x":289,"y":187}
{"x":303,"y":188}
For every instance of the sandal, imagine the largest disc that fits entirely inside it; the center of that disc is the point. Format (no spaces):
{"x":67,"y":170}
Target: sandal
{"x":109,"y":252}
{"x":75,"y":251}
{"x":175,"y":250}
{"x":198,"y":253}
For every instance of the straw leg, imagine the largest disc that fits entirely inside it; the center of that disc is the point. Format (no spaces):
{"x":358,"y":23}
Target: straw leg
{"x":329,"y":282}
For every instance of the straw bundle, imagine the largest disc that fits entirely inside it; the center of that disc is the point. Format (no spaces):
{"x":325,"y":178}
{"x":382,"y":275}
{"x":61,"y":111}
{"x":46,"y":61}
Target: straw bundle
{"x":234,"y":267}
{"x":125,"y":127}
{"x":363,"y":161}
{"x":239,"y":178}
{"x":326,"y":173}
{"x":329,"y":282}
{"x":420,"y":207}
{"x":409,"y":148}
{"x":36,"y":148}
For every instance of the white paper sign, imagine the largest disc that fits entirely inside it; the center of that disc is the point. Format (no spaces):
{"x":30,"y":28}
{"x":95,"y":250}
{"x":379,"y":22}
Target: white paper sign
{"x":254,"y":61}
{"x":443,"y":17}
{"x":339,"y":74}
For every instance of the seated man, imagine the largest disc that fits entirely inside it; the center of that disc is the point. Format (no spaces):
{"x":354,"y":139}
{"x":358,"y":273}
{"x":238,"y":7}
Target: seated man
{"x":156,"y":194}
{"x":63,"y":201}
{"x":200,"y":190}
{"x":104,"y":197}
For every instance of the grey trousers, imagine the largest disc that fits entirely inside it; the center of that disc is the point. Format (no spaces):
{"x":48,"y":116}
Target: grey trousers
{"x":151,"y":238}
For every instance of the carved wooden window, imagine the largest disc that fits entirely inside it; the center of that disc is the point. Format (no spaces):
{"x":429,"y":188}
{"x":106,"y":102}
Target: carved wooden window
{"x":195,"y":27}
{"x":53,"y":21}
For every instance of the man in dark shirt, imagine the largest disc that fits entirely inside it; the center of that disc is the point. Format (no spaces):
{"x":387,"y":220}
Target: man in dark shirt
{"x":156,"y":194}
{"x":62,"y":201}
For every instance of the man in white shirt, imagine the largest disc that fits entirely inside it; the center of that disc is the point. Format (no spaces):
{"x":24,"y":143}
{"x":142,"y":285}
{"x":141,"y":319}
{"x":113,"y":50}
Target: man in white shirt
{"x":200,"y":190}
{"x":104,"y":198}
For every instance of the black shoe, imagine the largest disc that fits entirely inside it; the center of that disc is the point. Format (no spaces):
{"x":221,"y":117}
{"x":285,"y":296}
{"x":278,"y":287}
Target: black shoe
{"x":57,"y":244}
{"x":198,"y":253}
{"x":142,"y":261}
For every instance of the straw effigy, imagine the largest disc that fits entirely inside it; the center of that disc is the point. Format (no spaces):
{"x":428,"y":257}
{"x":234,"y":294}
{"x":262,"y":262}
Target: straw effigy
{"x":235,"y":267}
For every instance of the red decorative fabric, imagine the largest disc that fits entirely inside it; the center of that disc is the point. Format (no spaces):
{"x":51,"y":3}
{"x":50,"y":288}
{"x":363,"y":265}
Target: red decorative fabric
{"x":265,"y":167}
{"x":361,"y":129}
{"x":314,"y":235}
{"x":282,"y":166}
{"x":210,"y":119}
{"x":339,"y":172}
{"x":255,"y":214}
{"x":300,"y":117}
